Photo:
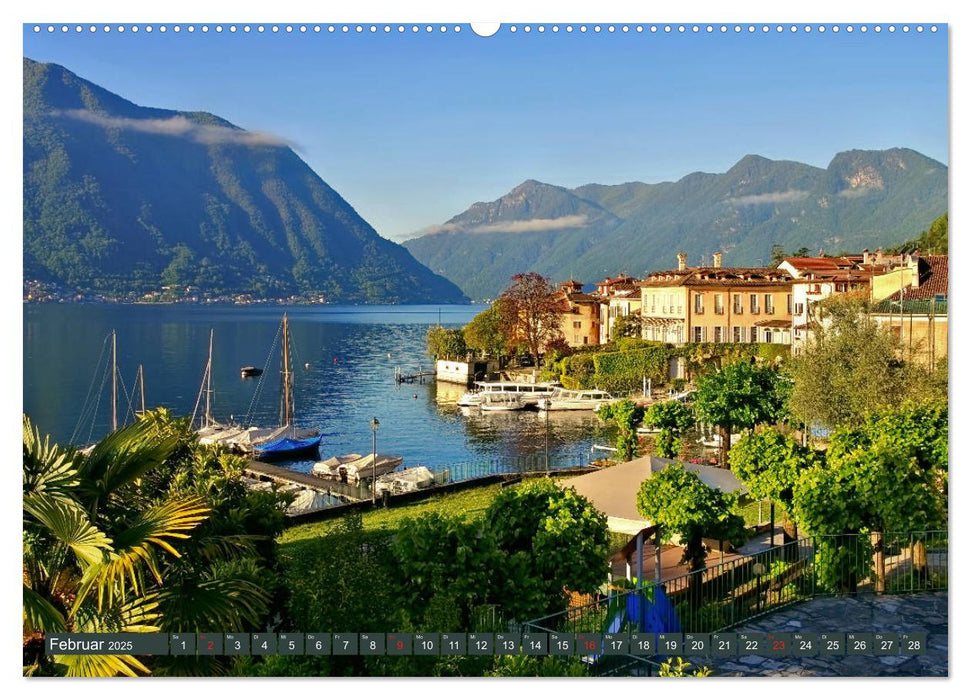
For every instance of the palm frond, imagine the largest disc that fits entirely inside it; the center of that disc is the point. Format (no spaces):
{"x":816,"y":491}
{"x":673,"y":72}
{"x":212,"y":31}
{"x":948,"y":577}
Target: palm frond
{"x":124,"y":456}
{"x":123,"y":572}
{"x":48,"y":469}
{"x":218,"y":603}
{"x":40,"y":615}
{"x":100,"y":666}
{"x":67,"y":522}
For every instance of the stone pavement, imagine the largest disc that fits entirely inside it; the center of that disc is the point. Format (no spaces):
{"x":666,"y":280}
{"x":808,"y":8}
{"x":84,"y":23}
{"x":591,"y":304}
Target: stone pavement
{"x":919,"y":612}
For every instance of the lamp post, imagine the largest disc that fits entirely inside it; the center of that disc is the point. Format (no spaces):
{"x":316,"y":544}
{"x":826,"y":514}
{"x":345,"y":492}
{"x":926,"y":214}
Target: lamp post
{"x":547,"y":412}
{"x":374,"y":457}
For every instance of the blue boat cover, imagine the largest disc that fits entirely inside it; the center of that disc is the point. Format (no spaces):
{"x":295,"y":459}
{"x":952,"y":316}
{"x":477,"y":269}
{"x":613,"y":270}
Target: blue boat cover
{"x":284,"y":445}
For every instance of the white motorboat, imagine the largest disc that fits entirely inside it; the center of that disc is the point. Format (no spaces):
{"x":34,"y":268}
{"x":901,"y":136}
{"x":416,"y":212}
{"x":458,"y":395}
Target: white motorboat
{"x":502,"y":402}
{"x":530,"y":393}
{"x":405,"y":481}
{"x":354,"y":467}
{"x":575,"y":400}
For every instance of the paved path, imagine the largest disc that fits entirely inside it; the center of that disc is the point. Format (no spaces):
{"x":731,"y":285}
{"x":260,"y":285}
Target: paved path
{"x":920,"y":612}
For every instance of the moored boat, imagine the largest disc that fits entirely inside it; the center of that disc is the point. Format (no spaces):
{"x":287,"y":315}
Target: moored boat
{"x":250,"y":371}
{"x":354,"y":467}
{"x":502,"y":402}
{"x":575,"y":400}
{"x":530,"y":393}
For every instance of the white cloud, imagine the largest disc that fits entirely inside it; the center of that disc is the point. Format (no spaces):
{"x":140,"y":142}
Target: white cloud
{"x":178,"y":126}
{"x":526,"y":226}
{"x":768,"y":198}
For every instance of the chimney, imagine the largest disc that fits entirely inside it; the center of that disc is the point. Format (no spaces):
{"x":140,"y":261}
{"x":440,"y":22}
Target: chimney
{"x":682,"y":261}
{"x":716,"y":260}
{"x":866,"y":256}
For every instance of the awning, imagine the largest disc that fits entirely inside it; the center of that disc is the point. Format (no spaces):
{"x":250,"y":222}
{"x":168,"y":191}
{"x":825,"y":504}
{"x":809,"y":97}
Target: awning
{"x":774,"y":323}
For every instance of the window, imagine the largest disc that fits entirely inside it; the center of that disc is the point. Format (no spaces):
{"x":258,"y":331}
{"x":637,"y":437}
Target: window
{"x":584,"y":340}
{"x":840,"y":287}
{"x":653,"y":302}
{"x":769,"y":304}
{"x":768,"y":335}
{"x":699,"y":305}
{"x":754,"y":336}
{"x":753,"y":300}
{"x":737,"y":334}
{"x":698,"y":334}
{"x":789,"y":304}
{"x":800,"y":307}
{"x":718,"y":338}
{"x":719,"y":304}
{"x":578,"y":324}
{"x":737,"y":303}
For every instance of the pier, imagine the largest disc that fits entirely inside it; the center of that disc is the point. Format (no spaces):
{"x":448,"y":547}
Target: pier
{"x":402,"y":378}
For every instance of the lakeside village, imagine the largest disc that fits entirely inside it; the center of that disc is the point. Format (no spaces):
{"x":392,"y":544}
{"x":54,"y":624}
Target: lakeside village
{"x":822,"y":381}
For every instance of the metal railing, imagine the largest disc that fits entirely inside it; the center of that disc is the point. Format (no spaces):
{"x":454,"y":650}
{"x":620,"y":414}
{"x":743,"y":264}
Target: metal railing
{"x":726,"y":595}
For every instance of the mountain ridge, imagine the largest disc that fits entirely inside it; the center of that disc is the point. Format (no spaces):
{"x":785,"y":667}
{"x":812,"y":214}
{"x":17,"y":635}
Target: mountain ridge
{"x":863,"y":198}
{"x":120,"y":197}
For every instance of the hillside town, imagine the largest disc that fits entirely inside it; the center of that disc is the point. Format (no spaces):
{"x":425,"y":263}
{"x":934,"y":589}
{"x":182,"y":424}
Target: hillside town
{"x":720,"y":304}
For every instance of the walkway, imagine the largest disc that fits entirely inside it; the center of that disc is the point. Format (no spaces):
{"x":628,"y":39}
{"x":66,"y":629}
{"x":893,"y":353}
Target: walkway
{"x":919,"y":612}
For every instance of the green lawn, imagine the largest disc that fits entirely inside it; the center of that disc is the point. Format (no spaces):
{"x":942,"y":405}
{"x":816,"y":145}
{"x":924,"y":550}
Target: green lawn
{"x":470,"y":502}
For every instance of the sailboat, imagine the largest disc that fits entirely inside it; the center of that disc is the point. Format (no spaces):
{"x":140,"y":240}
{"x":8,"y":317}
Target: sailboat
{"x":292,"y":445}
{"x":238,"y":438}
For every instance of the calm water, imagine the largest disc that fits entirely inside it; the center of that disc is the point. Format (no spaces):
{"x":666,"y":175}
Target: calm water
{"x":352,"y":353}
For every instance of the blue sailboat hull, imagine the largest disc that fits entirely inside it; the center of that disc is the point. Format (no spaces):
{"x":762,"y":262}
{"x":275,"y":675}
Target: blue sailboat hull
{"x":288,"y":448}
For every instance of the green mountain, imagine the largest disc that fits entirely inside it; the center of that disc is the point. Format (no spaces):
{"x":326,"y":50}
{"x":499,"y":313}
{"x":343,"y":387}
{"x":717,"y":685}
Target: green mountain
{"x":862,"y":199}
{"x":120,"y":198}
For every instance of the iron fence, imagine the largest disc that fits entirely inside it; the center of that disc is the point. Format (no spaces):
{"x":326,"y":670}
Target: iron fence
{"x":742,"y":588}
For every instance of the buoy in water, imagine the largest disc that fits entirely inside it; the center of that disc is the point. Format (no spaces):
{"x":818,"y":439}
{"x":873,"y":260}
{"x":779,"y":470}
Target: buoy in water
{"x":306,"y":365}
{"x":415,"y":396}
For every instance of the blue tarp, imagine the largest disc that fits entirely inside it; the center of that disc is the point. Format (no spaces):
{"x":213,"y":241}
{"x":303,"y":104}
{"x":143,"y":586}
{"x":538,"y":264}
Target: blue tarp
{"x":287,"y":446}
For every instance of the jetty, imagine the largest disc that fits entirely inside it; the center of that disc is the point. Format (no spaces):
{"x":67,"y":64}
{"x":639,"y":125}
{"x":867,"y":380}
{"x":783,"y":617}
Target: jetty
{"x":419,"y":377}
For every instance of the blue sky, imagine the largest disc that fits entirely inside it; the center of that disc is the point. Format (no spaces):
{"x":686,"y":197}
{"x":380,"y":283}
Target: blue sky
{"x":413,"y":128}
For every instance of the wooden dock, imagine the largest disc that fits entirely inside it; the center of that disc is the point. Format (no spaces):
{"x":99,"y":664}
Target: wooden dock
{"x":281,"y":475}
{"x":420,"y":376}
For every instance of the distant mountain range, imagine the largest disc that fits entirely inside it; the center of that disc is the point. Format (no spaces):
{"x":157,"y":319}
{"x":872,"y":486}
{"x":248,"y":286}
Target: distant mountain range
{"x":120,"y":198}
{"x":862,"y":199}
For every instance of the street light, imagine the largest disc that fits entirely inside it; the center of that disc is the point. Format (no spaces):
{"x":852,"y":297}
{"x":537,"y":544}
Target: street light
{"x":374,"y":456}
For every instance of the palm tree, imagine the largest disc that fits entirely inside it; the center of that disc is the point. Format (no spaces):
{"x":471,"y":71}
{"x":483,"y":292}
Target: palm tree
{"x":93,"y":558}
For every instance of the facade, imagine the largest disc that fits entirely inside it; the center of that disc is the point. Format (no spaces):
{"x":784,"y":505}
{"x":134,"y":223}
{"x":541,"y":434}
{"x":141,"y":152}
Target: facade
{"x":619,"y":296}
{"x":579,"y":315}
{"x":717,"y":304}
{"x":815,"y":279}
{"x":915,"y":308}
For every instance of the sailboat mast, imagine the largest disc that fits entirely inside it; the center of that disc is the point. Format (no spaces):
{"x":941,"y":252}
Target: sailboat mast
{"x":114,"y":381}
{"x":286,"y":370}
{"x":141,"y":384}
{"x":209,"y":380}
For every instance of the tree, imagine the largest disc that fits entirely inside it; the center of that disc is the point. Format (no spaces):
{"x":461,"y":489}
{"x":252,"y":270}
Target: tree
{"x":850,"y":367}
{"x":680,"y":502}
{"x":90,"y":566}
{"x":484,"y":332}
{"x":888,"y":474}
{"x":933,"y":241}
{"x":530,"y":313}
{"x":740,"y":395}
{"x":674,"y":419}
{"x":558,"y":536}
{"x":769,"y":464}
{"x":626,"y":415}
{"x":626,"y":327}
{"x":445,"y":343}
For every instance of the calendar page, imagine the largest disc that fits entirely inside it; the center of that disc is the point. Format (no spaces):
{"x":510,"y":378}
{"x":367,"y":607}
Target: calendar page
{"x":513,"y":349}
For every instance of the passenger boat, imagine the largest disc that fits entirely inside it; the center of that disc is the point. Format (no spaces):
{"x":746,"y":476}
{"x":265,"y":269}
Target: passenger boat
{"x":496,"y":401}
{"x":530,"y":393}
{"x":575,"y":400}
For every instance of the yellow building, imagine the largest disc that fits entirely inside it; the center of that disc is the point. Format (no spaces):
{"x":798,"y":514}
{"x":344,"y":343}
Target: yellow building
{"x":912,"y":302}
{"x":579,"y":315}
{"x":619,"y":296}
{"x":717,"y":304}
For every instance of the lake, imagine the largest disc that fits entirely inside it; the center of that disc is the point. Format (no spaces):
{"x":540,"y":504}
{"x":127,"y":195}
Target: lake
{"x":352,"y":352}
